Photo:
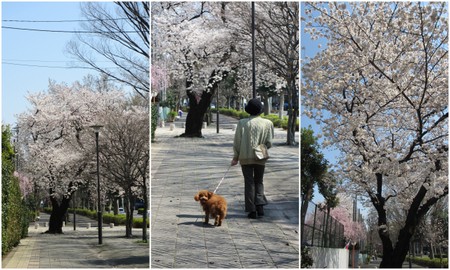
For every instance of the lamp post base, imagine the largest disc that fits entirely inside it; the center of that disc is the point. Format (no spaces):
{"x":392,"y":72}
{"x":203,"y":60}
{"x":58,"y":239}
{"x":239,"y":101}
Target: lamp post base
{"x":100,"y":225}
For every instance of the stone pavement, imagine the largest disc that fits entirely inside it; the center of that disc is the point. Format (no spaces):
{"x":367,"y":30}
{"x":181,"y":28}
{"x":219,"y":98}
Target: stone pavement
{"x":78,"y":249}
{"x":376,"y":264}
{"x":180,"y":167}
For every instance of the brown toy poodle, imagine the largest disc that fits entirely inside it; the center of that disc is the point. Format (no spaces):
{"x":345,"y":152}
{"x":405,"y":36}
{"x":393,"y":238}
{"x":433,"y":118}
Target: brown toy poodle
{"x":213,"y":205}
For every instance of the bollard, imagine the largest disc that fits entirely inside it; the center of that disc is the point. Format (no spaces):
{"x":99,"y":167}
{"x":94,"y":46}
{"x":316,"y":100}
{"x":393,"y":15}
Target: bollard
{"x":183,"y":125}
{"x":111,"y":225}
{"x":36,"y":225}
{"x":205,"y":124}
{"x":64,"y":224}
{"x":172,"y":126}
{"x":233,"y":127}
{"x":163,"y":124}
{"x":45,"y":224}
{"x":89,"y":225}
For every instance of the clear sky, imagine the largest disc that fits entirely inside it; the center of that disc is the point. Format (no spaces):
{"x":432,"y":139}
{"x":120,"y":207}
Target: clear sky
{"x":31,"y":58}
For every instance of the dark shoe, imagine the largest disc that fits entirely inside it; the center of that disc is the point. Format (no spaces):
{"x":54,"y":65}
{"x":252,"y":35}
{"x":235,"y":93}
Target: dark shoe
{"x":252,"y":215}
{"x":260,"y":210}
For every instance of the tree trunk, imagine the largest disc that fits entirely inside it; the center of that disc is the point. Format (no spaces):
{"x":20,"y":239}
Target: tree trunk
{"x":194,"y":119}
{"x":394,"y":257}
{"x":144,"y":215}
{"x":129,"y":215}
{"x":56,"y":221}
{"x":281,"y":105}
{"x":57,"y":216}
{"x":292,"y":111}
{"x":198,"y":105}
{"x":265,"y":100}
{"x":431,"y":250}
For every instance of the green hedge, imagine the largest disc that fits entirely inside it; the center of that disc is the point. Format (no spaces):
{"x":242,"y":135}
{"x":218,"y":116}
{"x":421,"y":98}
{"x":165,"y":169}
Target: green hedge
{"x":277,"y":122}
{"x":171,"y":116}
{"x":154,"y":115}
{"x":119,"y":219}
{"x":15,"y":214}
{"x":427,"y":262}
{"x":107,"y":218}
{"x":233,"y":113}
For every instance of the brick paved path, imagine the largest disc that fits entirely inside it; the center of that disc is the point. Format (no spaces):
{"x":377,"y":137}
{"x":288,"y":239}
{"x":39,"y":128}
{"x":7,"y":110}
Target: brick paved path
{"x":182,"y":166}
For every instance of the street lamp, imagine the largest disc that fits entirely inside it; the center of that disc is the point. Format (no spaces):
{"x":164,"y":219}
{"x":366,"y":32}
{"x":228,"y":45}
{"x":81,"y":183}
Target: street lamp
{"x":253,"y":51}
{"x":99,"y":206}
{"x":217,"y":109}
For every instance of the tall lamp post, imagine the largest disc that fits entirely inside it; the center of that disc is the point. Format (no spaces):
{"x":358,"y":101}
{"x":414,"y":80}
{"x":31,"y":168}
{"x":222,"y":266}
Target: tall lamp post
{"x":99,"y":206}
{"x":217,"y":109}
{"x":253,"y":51}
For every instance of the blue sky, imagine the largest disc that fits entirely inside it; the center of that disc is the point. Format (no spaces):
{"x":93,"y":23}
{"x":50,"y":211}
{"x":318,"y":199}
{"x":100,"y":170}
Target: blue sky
{"x":29,"y":49}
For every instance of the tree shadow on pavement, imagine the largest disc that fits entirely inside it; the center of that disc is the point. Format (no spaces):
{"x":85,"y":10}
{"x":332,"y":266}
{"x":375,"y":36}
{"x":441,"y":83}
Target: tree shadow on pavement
{"x":127,"y":262}
{"x":200,"y":219}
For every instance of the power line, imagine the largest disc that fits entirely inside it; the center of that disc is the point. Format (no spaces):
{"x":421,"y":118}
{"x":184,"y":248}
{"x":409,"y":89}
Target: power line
{"x":43,"y":66}
{"x":31,"y":65}
{"x":62,"y":21}
{"x":43,"y":61}
{"x":65,"y":31}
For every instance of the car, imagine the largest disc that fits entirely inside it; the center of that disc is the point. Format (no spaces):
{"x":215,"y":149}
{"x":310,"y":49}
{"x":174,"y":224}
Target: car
{"x":121,"y":210}
{"x":138,"y":204}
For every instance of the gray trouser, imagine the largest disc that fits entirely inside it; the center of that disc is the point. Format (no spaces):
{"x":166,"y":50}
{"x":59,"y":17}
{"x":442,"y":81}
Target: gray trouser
{"x":254,"y":187}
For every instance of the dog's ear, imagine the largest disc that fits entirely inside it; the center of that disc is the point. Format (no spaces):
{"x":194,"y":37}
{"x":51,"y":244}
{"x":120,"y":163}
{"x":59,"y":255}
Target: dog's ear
{"x":210,"y":194}
{"x":196,"y":197}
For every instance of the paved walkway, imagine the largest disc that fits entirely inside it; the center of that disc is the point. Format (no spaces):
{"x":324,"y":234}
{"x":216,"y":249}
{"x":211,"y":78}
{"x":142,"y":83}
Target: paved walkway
{"x":78,"y":249}
{"x":183,"y":166}
{"x":376,"y":264}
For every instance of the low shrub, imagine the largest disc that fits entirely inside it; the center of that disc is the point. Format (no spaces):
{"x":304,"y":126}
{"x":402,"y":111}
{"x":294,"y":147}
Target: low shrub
{"x":137,"y":222}
{"x":154,"y":122}
{"x":430,"y":263}
{"x":275,"y":119}
{"x":284,"y":123}
{"x":117,"y":220}
{"x":233,"y":113}
{"x":171,"y":116}
{"x":277,"y":122}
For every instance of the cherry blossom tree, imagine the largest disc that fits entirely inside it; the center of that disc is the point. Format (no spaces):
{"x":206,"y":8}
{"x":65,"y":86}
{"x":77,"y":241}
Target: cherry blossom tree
{"x":277,"y":48}
{"x":56,"y":143}
{"x":193,"y":36}
{"x":436,"y":228}
{"x":125,"y":157}
{"x":159,"y":79}
{"x":380,"y":90}
{"x":204,"y":42}
{"x":353,"y":230}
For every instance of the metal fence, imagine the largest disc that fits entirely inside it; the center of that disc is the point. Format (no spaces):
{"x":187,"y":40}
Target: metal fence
{"x":321,"y":229}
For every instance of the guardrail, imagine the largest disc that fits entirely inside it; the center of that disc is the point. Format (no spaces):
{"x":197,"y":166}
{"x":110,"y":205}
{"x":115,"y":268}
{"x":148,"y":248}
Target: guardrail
{"x":86,"y":225}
